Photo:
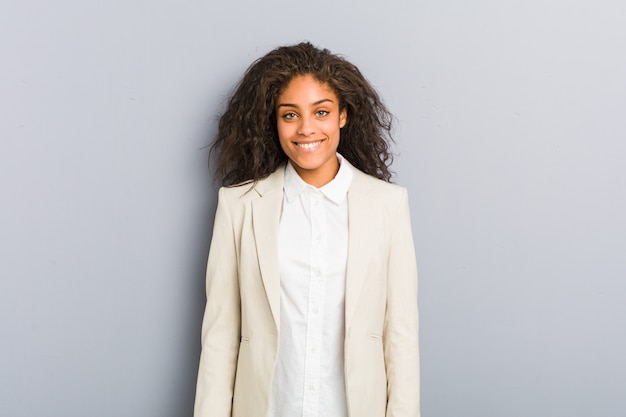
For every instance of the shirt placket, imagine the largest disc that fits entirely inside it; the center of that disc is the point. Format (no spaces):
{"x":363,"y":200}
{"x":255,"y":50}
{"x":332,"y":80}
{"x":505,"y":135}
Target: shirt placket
{"x":315,"y":305}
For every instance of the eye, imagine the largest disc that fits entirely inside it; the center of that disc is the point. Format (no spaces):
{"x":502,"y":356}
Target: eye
{"x":289,"y":116}
{"x":321,"y":113}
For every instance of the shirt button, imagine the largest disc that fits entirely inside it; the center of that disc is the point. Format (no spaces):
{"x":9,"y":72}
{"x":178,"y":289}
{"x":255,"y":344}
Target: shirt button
{"x":311,"y":387}
{"x":315,"y":310}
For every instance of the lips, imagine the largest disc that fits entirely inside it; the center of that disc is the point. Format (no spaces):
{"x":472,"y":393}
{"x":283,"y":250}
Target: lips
{"x":308,"y":146}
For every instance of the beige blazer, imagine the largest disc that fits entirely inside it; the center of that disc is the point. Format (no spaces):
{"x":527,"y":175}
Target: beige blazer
{"x":241,"y":325}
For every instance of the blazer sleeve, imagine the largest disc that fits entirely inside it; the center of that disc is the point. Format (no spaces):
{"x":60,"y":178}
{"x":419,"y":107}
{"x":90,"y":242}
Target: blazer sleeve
{"x":401,"y":333}
{"x":221,"y":326}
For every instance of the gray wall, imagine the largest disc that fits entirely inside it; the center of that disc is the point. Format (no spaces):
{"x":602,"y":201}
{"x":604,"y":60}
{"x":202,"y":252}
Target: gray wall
{"x":511,"y":140}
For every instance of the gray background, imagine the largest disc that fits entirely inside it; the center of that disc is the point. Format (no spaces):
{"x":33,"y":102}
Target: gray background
{"x":511,"y":140}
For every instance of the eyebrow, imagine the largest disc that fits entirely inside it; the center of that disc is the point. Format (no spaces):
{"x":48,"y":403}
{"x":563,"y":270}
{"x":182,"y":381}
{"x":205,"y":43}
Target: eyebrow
{"x":313,"y":104}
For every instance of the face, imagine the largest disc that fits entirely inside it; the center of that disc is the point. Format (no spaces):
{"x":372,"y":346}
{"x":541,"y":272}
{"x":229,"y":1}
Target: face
{"x":309,"y":122}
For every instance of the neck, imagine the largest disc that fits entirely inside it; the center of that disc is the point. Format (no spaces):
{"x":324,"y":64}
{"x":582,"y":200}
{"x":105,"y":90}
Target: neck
{"x":318,"y":177}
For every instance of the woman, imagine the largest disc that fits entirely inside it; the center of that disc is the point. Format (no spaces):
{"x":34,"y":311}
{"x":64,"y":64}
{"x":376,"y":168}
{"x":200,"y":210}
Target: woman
{"x":311,"y":278}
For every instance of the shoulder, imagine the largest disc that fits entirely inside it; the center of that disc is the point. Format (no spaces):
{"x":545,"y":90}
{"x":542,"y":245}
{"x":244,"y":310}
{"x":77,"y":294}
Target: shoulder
{"x":251,"y":190}
{"x":384,"y":192}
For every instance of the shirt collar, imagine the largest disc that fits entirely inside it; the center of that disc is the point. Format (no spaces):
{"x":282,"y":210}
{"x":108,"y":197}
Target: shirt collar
{"x":336,"y":190}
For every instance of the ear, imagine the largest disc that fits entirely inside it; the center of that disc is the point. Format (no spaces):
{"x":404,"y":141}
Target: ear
{"x":343,"y":117}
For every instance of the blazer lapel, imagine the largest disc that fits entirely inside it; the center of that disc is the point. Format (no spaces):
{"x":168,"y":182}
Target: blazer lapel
{"x":265,"y":222}
{"x":360,"y":213}
{"x":265,"y":219}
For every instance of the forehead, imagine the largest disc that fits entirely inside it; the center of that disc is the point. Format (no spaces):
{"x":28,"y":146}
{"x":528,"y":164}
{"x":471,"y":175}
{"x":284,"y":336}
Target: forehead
{"x":306,"y":88}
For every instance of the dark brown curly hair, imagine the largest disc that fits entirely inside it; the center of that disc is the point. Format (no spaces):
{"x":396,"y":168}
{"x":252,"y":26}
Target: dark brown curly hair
{"x":246,"y":147}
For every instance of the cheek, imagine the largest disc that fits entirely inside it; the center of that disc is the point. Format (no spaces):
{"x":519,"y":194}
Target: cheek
{"x":333,"y":129}
{"x":282,"y":135}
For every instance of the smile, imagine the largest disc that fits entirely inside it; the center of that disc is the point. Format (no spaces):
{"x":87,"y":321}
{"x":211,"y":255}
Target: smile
{"x":309,"y":145}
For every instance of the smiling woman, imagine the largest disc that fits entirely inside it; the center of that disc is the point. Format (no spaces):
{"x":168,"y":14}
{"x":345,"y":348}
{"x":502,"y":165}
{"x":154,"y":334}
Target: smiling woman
{"x":311,"y":278}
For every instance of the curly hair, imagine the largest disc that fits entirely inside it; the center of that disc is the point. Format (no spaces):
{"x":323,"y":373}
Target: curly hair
{"x":247,"y":147}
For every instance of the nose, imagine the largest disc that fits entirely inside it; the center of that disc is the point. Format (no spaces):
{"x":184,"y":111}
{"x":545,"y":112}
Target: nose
{"x":307,"y":126}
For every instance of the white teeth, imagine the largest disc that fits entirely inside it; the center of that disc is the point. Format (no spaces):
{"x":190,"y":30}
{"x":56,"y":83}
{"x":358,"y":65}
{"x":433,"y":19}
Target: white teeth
{"x":308,"y":145}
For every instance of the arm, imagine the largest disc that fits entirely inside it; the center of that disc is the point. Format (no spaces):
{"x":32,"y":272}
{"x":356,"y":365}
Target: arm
{"x":400,"y":334}
{"x":221,"y":326}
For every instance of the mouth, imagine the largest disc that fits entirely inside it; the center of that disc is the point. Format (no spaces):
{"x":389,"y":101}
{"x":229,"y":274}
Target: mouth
{"x":308,"y":146}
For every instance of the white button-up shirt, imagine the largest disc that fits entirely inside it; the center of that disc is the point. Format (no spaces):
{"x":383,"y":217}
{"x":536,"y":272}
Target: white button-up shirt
{"x":313,"y":250}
